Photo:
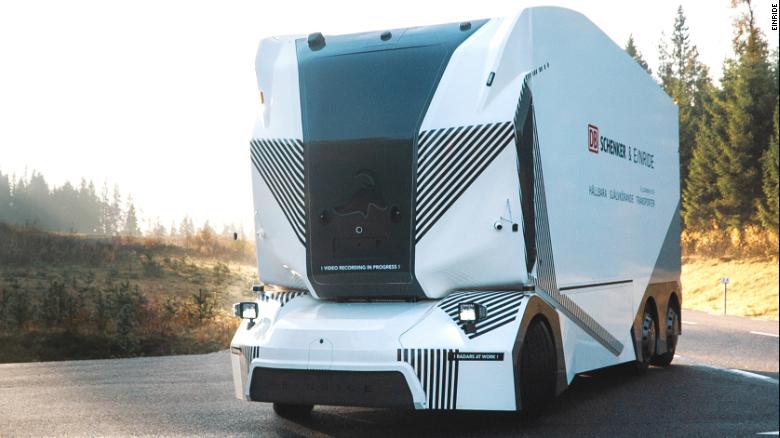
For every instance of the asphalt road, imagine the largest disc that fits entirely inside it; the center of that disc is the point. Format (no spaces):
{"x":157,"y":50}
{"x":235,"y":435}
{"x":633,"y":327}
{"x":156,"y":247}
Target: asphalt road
{"x":724,"y":383}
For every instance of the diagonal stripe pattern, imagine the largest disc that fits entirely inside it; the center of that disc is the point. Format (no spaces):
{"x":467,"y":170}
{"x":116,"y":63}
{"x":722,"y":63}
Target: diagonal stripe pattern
{"x":449,"y":160}
{"x":501,"y":307}
{"x":279,"y":161}
{"x":283,"y":297}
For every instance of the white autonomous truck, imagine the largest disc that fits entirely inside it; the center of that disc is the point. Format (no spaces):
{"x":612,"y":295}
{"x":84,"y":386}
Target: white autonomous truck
{"x":459,"y":216}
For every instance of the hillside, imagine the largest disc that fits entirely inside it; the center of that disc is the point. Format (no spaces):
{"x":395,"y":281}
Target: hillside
{"x":753,"y":290}
{"x":69,"y":296}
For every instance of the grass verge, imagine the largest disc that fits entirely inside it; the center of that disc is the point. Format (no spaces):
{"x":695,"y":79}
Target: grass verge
{"x":752,"y":292}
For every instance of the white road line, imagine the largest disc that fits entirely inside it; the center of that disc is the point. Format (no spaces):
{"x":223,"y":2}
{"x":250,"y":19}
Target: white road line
{"x":690,"y":323}
{"x":751,"y":375}
{"x":737,"y":372}
{"x":769,"y":433}
{"x":766,"y":334}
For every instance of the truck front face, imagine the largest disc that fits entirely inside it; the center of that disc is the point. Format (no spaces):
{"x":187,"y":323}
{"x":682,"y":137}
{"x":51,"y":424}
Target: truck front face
{"x":379,"y":170}
{"x":363,"y":99}
{"x":375,"y":196}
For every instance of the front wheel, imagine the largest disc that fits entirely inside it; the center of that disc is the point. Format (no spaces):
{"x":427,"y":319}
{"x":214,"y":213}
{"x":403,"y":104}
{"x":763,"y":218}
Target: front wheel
{"x":672,"y":334}
{"x":537,"y":370}
{"x":292,"y":411}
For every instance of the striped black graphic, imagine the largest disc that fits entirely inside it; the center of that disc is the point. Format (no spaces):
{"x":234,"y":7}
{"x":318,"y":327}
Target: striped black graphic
{"x":283,"y":296}
{"x":437,"y":374}
{"x":279,"y":161}
{"x":248,"y":354}
{"x":501,"y":308}
{"x":546,"y":281}
{"x":448,"y":161}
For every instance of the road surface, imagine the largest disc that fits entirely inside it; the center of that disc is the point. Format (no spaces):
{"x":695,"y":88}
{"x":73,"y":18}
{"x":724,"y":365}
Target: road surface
{"x":724,"y":383}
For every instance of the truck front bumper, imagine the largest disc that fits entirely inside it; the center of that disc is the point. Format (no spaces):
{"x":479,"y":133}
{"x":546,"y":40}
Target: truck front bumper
{"x":386,"y":355}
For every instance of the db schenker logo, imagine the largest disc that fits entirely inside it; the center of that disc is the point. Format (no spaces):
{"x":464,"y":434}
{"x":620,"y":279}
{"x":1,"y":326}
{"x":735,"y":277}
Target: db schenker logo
{"x":593,"y":139}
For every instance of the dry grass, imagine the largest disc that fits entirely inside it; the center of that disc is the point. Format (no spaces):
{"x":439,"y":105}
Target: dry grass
{"x":753,"y":290}
{"x":750,"y":242}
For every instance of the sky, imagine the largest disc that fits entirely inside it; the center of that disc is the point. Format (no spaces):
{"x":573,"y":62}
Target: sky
{"x":160,"y":97}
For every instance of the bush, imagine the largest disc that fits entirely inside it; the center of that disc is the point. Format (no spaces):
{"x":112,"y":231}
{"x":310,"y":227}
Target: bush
{"x":151,"y":268}
{"x":78,"y":320}
{"x":203,"y":305}
{"x":15,"y":307}
{"x":221,"y":272}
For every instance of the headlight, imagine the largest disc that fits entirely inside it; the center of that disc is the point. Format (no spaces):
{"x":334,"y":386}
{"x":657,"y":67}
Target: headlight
{"x":471,"y":312}
{"x":246,"y":310}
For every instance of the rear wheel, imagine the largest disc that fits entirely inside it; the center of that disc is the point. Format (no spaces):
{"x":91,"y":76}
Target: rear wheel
{"x":672,"y":333}
{"x":537,"y":369}
{"x":292,"y":411}
{"x":648,"y":336}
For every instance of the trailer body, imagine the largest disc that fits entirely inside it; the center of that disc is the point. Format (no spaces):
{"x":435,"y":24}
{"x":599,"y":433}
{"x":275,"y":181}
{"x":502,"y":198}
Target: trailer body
{"x":524,"y":164}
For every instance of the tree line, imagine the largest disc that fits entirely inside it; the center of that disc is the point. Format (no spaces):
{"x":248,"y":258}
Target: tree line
{"x":30,"y":201}
{"x":728,"y":132}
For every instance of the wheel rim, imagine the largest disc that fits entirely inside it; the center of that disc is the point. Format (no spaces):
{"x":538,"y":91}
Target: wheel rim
{"x":672,"y":328}
{"x":648,"y":336}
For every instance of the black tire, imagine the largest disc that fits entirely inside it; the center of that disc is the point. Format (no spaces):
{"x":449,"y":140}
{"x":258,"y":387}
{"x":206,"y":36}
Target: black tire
{"x":537,"y":369}
{"x":292,"y":411}
{"x":648,"y":335}
{"x":672,"y":334}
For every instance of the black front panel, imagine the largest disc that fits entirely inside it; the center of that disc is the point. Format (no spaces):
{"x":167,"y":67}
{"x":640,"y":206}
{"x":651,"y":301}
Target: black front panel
{"x":359,"y":207}
{"x":362,"y":102}
{"x":373,"y":389}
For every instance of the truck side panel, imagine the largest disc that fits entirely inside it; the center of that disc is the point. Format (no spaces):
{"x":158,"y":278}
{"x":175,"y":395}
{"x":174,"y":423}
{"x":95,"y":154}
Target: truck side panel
{"x":609,"y":149}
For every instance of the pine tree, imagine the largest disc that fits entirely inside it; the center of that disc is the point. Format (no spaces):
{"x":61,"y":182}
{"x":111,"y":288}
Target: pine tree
{"x":115,"y":212}
{"x":749,"y":97}
{"x":65,"y":200}
{"x":634,"y":52}
{"x":93,"y":209}
{"x":104,"y":209}
{"x":125,"y":326}
{"x":187,"y":230}
{"x":5,"y":198}
{"x":775,"y":64}
{"x":158,"y":230}
{"x":131,"y":220}
{"x":17,"y":306}
{"x":206,"y":239}
{"x":685,"y":79}
{"x":701,"y":192}
{"x":768,"y":208}
{"x":37,"y":201}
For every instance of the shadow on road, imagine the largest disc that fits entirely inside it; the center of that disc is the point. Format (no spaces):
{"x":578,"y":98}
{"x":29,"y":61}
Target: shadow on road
{"x":613,"y":400}
{"x":192,"y":396}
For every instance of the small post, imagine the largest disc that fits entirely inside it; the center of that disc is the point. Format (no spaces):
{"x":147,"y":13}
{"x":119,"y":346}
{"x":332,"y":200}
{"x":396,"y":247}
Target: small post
{"x":725,"y":281}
